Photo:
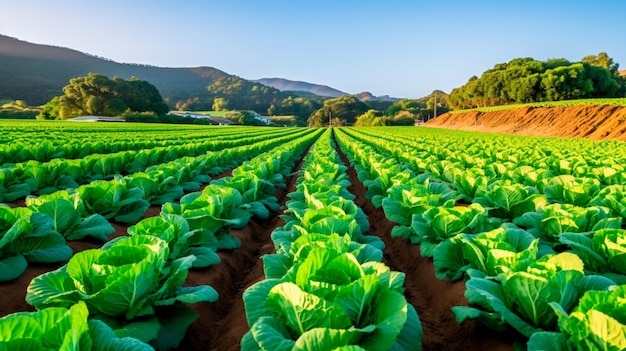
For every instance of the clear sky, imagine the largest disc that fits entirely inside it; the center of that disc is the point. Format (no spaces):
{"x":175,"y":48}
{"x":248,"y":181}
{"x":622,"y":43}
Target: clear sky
{"x":400,"y":48}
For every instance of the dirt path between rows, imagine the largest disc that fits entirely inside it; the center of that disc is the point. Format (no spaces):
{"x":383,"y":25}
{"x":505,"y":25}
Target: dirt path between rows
{"x":432,"y":298}
{"x":222,"y":324}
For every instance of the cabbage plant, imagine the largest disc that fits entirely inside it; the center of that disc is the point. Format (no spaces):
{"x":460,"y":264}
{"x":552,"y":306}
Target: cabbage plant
{"x":212,"y":212}
{"x":257,"y":193}
{"x":569,"y":189}
{"x":130,"y":285}
{"x":437,"y":224}
{"x":60,"y":328}
{"x":507,"y":200}
{"x":604,"y":252}
{"x":157,"y":187}
{"x":27,"y":236}
{"x":182,"y":241}
{"x":492,"y":252}
{"x":551,"y":221}
{"x":470,"y":183}
{"x":405,"y":200}
{"x":276,"y":265}
{"x":521,"y":299}
{"x":612,"y":197}
{"x":597,"y":323}
{"x":68,"y":218}
{"x":323,"y":213}
{"x":113,"y":199}
{"x":329,"y":300}
{"x":11,"y":192}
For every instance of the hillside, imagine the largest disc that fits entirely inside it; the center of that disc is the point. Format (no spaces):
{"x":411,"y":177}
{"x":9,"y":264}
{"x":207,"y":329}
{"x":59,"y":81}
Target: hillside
{"x":35,"y":73}
{"x":367,"y":96}
{"x":596,"y":122}
{"x":290,"y":85}
{"x":319,"y":90}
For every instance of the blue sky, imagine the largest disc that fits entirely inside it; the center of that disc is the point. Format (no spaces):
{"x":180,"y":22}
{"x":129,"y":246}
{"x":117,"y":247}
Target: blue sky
{"x":400,"y":48}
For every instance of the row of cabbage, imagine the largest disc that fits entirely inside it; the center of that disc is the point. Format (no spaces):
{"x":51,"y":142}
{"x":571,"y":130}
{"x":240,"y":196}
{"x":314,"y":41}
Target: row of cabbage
{"x":132,"y":286}
{"x":22,"y":145}
{"x":325,"y":287}
{"x":494,"y":154}
{"x":38,"y":232}
{"x":34,"y":177}
{"x":32,"y":133}
{"x":533,"y":261}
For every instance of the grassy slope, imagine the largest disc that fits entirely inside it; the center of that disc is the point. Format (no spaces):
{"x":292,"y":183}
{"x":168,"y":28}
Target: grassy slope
{"x":566,"y":103}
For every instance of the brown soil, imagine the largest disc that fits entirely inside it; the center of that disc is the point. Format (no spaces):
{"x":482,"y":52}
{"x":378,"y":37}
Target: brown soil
{"x":597,"y":122}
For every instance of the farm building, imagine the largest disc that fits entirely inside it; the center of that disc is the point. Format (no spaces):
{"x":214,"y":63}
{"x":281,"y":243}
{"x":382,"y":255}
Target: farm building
{"x":96,"y":119}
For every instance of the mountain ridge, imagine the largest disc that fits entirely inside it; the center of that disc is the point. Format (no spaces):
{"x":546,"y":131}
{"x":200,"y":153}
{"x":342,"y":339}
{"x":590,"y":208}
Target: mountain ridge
{"x":284,"y":84}
{"x":37,"y":72}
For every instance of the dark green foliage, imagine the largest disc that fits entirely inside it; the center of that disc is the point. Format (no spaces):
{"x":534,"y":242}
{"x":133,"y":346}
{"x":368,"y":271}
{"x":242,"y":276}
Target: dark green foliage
{"x":98,"y":95}
{"x":4,"y":114}
{"x":422,"y":109}
{"x":235,"y":93}
{"x":371,"y":118}
{"x":300,"y":107}
{"x":524,"y":80}
{"x":344,"y":108}
{"x":245,"y":95}
{"x":244,"y":118}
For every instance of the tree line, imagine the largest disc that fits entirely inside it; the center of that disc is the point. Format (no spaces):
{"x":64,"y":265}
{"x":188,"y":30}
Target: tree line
{"x":348,"y":110}
{"x":138,"y":100}
{"x":526,"y":80}
{"x":521,"y":80}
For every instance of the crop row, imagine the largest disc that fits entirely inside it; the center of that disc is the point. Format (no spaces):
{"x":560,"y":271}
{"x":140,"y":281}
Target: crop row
{"x":34,"y":132}
{"x":23,"y":146}
{"x":325,"y":287}
{"x":543,"y":256}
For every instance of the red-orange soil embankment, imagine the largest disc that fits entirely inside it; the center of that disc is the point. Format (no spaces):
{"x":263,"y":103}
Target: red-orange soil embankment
{"x":597,"y":122}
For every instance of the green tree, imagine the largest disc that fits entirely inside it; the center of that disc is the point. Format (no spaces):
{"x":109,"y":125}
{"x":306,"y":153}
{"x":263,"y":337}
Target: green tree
{"x":96,"y":94}
{"x":245,"y":118}
{"x":371,"y":118}
{"x":602,"y":60}
{"x":525,"y":80}
{"x":220,"y":104}
{"x":345,"y":107}
{"x":244,"y":94}
{"x":300,"y":107}
{"x":403,"y":118}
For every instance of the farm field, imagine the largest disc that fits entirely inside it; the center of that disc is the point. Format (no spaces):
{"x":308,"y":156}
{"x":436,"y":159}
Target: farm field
{"x":401,"y":238}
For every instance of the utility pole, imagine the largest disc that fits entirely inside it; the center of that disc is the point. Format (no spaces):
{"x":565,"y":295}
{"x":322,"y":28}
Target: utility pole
{"x":435,"y":105}
{"x":330,"y":117}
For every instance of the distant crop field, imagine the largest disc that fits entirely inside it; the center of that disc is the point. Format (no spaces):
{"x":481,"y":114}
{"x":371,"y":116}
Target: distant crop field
{"x":566,"y":103}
